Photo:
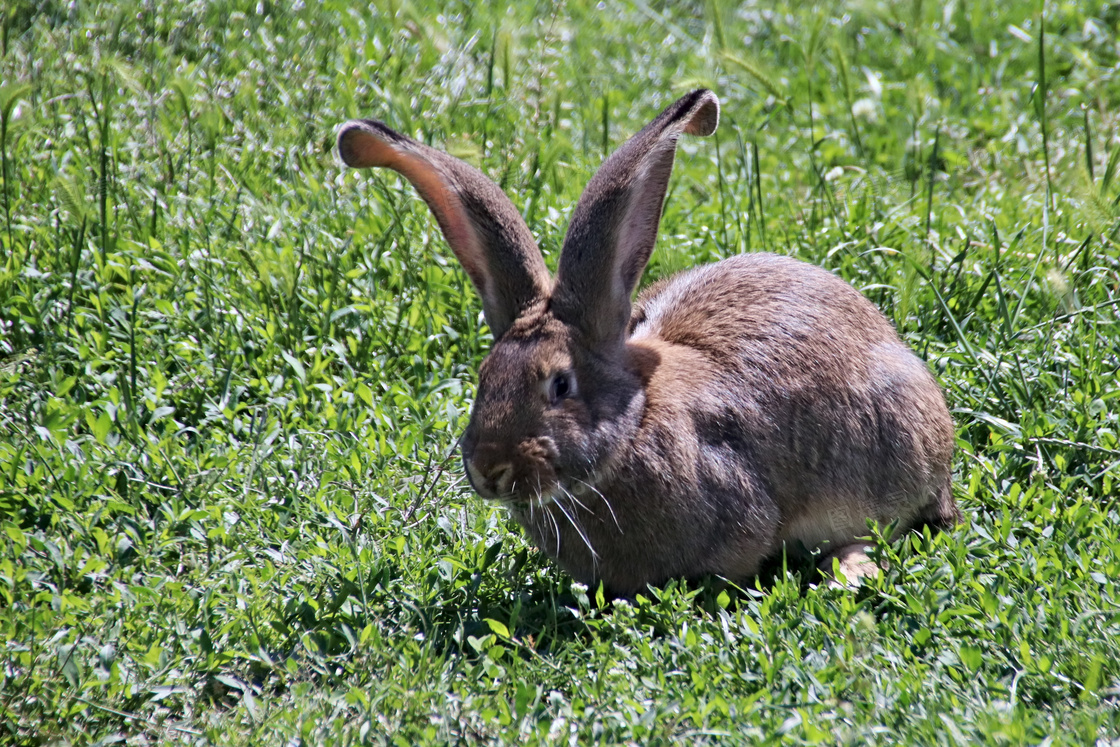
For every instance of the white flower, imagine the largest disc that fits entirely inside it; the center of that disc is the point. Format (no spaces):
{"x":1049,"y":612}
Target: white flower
{"x":865,"y":109}
{"x":874,"y":84}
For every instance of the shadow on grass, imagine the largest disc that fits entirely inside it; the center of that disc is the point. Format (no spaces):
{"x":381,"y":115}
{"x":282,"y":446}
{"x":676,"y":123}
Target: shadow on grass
{"x":529,"y":608}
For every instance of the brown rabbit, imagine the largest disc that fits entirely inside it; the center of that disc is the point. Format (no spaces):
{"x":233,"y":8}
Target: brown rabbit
{"x":735,"y":409}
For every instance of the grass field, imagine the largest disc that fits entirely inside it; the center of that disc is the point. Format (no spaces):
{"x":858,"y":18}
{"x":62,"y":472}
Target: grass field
{"x":232,"y":375}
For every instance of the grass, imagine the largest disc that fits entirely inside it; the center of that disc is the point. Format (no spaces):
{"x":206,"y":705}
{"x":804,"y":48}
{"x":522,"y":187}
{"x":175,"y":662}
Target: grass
{"x":232,"y":376}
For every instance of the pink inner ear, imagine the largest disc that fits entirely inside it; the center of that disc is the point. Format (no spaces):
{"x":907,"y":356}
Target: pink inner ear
{"x":447,"y":208}
{"x":363,"y":149}
{"x":705,"y":118}
{"x":638,"y":231}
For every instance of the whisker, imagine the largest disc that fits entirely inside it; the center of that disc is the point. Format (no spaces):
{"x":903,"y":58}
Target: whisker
{"x":610,"y":508}
{"x":548,"y":521}
{"x":579,"y":525}
{"x":573,"y":499}
{"x":540,"y":499}
{"x":578,"y":528}
{"x":556,"y":529}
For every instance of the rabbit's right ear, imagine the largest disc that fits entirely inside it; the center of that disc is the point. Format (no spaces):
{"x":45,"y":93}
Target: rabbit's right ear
{"x":614,"y":226}
{"x":485,"y":231}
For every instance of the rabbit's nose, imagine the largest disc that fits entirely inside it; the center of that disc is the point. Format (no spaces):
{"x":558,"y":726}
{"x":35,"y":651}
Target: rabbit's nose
{"x":494,"y":479}
{"x":501,"y":476}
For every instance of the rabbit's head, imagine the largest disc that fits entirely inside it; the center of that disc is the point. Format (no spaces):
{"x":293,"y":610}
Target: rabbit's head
{"x":560,"y":391}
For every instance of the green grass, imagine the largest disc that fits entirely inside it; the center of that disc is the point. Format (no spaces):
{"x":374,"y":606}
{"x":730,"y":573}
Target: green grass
{"x":232,"y":375}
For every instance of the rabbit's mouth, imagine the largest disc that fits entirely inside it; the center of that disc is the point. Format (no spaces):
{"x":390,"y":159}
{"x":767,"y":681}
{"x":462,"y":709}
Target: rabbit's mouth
{"x":528,"y":493}
{"x":539,"y":494}
{"x":520,"y":503}
{"x":571,"y":490}
{"x":532,"y":476}
{"x":521,"y":474}
{"x":512,"y":484}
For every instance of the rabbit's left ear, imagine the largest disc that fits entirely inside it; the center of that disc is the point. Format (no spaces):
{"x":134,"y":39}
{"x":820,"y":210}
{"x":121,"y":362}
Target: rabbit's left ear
{"x":614,"y":226}
{"x":481,"y":225}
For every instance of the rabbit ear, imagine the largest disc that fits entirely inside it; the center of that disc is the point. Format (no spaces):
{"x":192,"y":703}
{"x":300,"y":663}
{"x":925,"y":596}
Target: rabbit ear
{"x":484,"y":229}
{"x":614,"y":226}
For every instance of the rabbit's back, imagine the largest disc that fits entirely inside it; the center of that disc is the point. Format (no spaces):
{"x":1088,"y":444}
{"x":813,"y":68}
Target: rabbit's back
{"x":807,"y":387}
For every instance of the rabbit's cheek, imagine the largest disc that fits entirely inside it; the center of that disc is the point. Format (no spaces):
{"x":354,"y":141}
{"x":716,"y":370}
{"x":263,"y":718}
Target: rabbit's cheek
{"x":538,"y":451}
{"x":536,"y":467}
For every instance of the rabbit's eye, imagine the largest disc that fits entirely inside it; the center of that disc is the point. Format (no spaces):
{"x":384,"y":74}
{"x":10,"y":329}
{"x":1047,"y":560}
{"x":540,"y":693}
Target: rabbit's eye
{"x":561,"y":386}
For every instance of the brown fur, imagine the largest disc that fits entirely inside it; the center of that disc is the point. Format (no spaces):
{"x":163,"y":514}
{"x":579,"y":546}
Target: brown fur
{"x":733,"y":410}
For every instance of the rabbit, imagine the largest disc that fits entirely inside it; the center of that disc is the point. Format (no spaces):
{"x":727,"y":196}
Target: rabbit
{"x":735,"y":409}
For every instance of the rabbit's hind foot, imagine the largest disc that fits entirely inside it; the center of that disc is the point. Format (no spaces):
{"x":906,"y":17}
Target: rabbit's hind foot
{"x":852,"y":564}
